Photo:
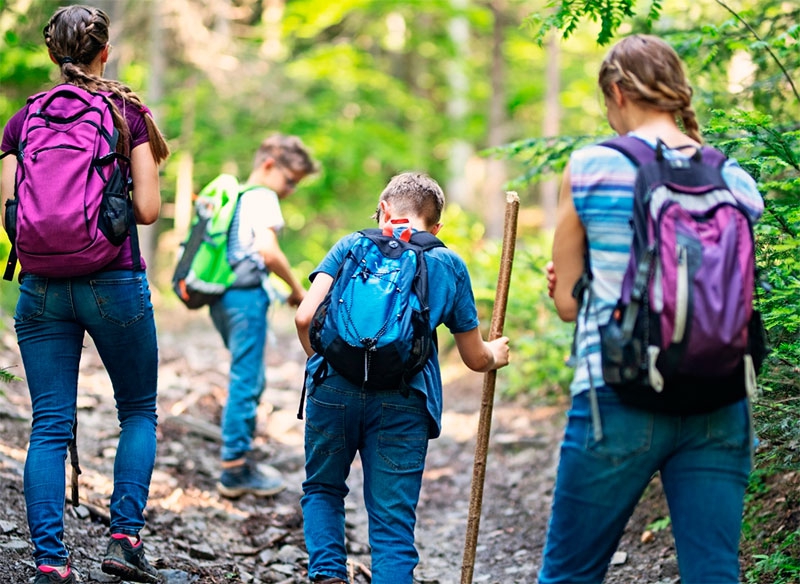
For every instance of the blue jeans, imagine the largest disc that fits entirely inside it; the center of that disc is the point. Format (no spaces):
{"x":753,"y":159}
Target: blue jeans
{"x":390,"y":432}
{"x":52,"y":315}
{"x":704,"y":462}
{"x":240,"y":316}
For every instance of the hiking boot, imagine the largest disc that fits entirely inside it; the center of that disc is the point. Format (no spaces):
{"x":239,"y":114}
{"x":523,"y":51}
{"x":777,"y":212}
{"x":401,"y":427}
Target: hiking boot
{"x":127,"y":561}
{"x":246,"y":478}
{"x":49,"y":575}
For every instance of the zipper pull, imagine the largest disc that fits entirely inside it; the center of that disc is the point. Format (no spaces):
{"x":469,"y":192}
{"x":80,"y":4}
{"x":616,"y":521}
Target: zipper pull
{"x":653,"y":374}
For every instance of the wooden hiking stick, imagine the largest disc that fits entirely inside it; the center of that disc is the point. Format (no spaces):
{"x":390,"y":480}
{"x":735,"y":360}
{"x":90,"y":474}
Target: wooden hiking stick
{"x":487,"y":399}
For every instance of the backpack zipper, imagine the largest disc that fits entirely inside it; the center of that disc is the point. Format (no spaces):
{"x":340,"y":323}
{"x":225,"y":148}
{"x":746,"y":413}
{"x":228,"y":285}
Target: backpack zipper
{"x":35,"y":155}
{"x":681,"y":295}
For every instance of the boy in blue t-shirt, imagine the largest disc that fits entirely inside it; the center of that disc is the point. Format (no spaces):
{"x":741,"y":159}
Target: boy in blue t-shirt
{"x":389,"y":428}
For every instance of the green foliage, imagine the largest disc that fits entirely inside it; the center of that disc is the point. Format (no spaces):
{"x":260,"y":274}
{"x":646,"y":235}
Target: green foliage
{"x":660,"y":524}
{"x":6,"y":377}
{"x":780,"y":567}
{"x":568,"y":15}
{"x":540,"y":157}
{"x":771,"y":555}
{"x":540,"y":341}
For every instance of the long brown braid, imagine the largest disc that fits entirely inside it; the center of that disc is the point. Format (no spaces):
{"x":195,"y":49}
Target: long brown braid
{"x":649,"y":71}
{"x":74,"y":36}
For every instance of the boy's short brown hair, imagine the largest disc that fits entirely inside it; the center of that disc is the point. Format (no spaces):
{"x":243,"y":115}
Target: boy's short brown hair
{"x":288,"y":151}
{"x":417,"y":194}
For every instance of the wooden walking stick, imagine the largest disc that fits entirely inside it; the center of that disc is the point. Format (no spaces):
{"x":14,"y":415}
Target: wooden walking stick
{"x":487,"y":399}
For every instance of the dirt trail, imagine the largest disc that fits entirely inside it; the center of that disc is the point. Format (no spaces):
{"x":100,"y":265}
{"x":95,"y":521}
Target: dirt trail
{"x":196,"y":536}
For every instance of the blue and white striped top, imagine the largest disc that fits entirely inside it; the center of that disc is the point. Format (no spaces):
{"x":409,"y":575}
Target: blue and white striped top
{"x":602,"y":191}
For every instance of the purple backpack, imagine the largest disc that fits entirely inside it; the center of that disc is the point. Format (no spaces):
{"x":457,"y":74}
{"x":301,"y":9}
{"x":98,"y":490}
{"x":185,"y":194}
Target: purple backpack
{"x":72,"y":208}
{"x":684,"y":337}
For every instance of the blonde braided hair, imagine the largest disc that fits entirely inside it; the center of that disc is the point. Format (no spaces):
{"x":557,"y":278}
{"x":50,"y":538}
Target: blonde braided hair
{"x":74,"y":36}
{"x":649,"y":72}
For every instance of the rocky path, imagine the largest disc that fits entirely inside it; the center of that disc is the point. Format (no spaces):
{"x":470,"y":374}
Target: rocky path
{"x":195,"y":536}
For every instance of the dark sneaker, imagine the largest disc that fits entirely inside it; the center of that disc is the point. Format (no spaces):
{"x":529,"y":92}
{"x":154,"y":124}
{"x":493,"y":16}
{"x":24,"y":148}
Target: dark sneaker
{"x":127,"y":561}
{"x":240,"y":480}
{"x":52,"y":576}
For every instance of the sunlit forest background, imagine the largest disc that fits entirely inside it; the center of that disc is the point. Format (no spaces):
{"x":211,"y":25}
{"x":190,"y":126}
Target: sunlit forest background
{"x":486,"y":96}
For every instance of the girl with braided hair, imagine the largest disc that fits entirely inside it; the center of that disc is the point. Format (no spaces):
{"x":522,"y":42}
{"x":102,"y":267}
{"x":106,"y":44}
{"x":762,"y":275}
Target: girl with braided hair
{"x":704,"y":460}
{"x":113,"y":306}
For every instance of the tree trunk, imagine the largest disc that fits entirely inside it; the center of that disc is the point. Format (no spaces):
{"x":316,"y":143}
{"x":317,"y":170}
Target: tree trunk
{"x":183,"y":184}
{"x":458,"y":187}
{"x":550,"y":128}
{"x":493,"y":194}
{"x":155,"y":93}
{"x":271,"y":17}
{"x":116,"y":33}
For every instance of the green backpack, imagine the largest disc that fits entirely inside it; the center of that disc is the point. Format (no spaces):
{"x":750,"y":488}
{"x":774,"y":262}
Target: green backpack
{"x":203,"y":273}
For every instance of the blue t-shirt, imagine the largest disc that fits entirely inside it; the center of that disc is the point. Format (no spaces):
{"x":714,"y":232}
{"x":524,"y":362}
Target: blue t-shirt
{"x":451,"y":303}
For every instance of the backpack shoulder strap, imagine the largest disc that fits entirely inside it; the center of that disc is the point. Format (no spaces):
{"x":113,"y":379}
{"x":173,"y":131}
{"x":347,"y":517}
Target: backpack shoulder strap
{"x":34,"y":97}
{"x":371,"y":232}
{"x":637,"y":150}
{"x":422,"y":239}
{"x":713,"y":156}
{"x":426,"y":240}
{"x":640,"y":152}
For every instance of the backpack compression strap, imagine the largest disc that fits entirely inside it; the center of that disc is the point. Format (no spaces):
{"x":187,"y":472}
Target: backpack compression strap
{"x":423,"y":241}
{"x":640,"y":152}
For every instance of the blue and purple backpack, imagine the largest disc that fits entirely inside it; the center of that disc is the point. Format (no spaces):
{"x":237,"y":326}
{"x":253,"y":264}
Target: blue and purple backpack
{"x":71,"y":209}
{"x":684,"y":337}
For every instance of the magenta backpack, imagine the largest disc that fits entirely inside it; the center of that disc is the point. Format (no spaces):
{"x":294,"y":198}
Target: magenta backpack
{"x":684,"y":337}
{"x":72,"y":208}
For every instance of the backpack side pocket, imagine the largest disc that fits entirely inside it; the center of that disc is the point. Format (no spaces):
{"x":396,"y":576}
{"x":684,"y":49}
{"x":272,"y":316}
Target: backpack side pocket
{"x":115,"y":209}
{"x":621,"y":357}
{"x":758,"y":345}
{"x":11,"y":219}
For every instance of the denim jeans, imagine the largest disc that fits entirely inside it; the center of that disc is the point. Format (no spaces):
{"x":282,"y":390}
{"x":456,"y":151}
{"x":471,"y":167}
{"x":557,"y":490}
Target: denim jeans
{"x":240,"y":316}
{"x":704,"y":462}
{"x":390,"y":432}
{"x":52,"y":315}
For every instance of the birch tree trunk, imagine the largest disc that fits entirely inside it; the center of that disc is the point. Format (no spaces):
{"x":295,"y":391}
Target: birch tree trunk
{"x":496,"y":175}
{"x":550,"y":128}
{"x":155,"y":93}
{"x":272,"y":15}
{"x":458,"y":187}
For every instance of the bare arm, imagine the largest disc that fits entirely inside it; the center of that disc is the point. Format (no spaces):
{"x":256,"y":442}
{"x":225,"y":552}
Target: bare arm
{"x":146,"y":189}
{"x":7,"y":184}
{"x":268,"y":246}
{"x":305,"y":312}
{"x":480,"y":355}
{"x":569,"y":245}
